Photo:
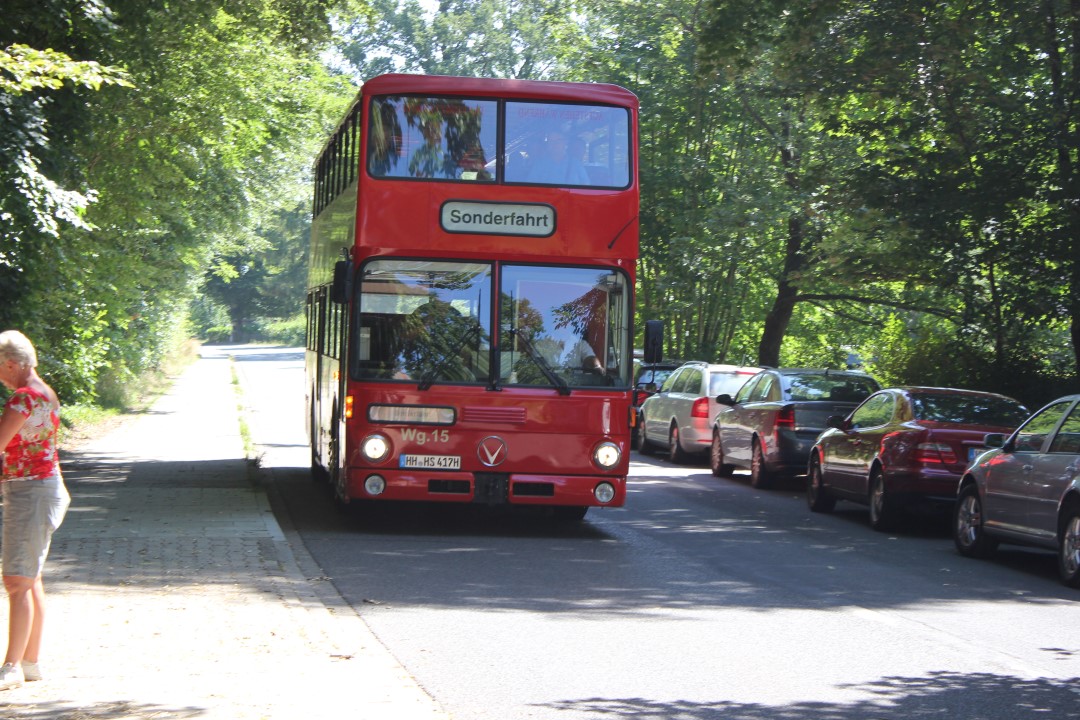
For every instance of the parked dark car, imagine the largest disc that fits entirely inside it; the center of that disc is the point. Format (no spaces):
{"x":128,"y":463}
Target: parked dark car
{"x":771,"y":424}
{"x":904,"y":445}
{"x":1026,"y":491}
{"x":678,"y":416}
{"x":647,"y":381}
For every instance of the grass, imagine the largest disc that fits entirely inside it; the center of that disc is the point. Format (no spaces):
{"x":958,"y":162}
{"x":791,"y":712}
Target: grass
{"x":245,"y":429}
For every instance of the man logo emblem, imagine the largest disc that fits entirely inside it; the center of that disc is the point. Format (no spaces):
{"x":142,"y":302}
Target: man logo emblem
{"x":491,"y":451}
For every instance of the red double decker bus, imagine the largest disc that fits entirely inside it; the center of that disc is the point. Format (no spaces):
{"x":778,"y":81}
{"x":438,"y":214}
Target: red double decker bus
{"x":471,"y":290}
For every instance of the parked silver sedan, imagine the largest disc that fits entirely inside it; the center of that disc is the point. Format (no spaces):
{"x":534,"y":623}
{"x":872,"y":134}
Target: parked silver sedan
{"x":1026,"y":490}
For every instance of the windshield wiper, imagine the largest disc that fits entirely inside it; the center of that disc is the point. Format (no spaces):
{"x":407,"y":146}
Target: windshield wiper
{"x":430,"y":376}
{"x":541,"y":363}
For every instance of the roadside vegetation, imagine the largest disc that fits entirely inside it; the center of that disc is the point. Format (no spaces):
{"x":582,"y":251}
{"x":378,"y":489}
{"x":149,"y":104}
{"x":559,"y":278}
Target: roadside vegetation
{"x":884,"y":182}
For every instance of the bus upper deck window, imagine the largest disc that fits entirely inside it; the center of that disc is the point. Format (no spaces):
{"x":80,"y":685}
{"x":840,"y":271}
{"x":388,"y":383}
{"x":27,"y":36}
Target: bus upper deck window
{"x":567,"y":144}
{"x":432,"y":138}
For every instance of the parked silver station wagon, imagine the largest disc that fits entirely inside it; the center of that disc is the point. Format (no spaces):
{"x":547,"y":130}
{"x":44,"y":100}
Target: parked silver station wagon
{"x":678,"y":417}
{"x":1027,"y":490}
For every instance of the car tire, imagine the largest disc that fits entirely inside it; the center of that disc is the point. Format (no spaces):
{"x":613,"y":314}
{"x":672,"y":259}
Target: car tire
{"x":817,"y":497}
{"x":716,"y":458}
{"x":643,"y":445}
{"x":760,"y":475}
{"x":676,"y":454}
{"x":1069,"y":545}
{"x":882,"y":505}
{"x":969,"y":536}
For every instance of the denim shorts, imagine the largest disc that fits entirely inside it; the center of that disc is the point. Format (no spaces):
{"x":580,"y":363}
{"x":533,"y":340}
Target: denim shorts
{"x":33,"y":509}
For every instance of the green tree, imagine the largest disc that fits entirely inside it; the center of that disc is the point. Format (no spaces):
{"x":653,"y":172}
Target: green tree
{"x":228,"y":106}
{"x":485,"y":38}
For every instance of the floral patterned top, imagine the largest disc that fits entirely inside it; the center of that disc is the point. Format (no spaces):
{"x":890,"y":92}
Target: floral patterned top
{"x":32,"y":453}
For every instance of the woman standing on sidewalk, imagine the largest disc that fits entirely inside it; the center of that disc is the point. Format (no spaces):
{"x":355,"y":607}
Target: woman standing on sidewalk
{"x":35,"y":501}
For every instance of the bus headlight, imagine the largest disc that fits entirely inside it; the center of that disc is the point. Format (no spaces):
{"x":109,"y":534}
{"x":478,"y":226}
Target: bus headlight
{"x":604,"y":492}
{"x":375,"y":448}
{"x":607,"y":455}
{"x":374,"y":485}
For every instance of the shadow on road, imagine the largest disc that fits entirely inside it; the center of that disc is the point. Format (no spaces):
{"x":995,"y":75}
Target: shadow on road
{"x":944,"y":694}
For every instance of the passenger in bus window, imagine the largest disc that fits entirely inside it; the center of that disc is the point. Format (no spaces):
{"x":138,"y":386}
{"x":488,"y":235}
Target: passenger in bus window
{"x":555,"y":163}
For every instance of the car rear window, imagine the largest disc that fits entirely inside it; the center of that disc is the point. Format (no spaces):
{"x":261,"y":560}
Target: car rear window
{"x":720,"y":383}
{"x":830,"y":387}
{"x":968,"y":409}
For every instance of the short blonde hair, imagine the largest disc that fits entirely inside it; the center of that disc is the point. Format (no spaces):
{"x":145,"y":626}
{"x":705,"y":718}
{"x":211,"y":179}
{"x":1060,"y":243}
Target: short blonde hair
{"x":16,"y":346}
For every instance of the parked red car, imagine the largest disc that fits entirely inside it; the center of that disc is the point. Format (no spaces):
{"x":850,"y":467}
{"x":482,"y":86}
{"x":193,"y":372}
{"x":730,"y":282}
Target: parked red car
{"x":903,"y":445}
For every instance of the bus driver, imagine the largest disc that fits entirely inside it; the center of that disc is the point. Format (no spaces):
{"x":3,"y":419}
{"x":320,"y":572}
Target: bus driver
{"x":556,"y":165}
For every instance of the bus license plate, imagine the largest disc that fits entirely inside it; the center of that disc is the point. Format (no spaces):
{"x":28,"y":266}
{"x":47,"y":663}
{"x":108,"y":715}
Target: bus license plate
{"x":430,"y":462}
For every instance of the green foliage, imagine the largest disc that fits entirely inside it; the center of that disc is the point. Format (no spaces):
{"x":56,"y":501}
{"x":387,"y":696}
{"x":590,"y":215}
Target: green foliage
{"x":891,"y":179}
{"x":123,"y":186}
{"x":24,"y":69}
{"x":283,"y":331}
{"x":485,"y":38}
{"x":930,"y":161}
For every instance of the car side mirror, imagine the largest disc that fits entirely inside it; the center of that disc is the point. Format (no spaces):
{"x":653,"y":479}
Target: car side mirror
{"x":649,"y":387}
{"x":837,"y":421}
{"x":725,"y":399}
{"x":994,"y":440}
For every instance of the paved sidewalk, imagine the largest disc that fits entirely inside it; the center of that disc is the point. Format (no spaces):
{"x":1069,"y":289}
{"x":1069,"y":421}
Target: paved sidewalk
{"x":174,"y":593}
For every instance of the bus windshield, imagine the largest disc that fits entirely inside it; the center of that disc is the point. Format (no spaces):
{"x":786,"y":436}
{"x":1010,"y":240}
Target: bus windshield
{"x":572,"y":320}
{"x":456,"y":139}
{"x":428,"y":322}
{"x":424,"y":321}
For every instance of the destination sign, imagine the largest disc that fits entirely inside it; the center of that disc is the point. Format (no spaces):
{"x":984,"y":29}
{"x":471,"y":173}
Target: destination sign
{"x":527,"y":219}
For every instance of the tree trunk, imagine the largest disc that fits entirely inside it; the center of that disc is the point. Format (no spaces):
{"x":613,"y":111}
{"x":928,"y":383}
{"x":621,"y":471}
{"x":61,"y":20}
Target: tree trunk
{"x":776,"y":324}
{"x":779,"y":317}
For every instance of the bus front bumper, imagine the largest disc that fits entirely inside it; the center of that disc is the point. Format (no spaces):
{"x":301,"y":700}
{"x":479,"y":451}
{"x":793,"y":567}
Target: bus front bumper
{"x":487,"y":488}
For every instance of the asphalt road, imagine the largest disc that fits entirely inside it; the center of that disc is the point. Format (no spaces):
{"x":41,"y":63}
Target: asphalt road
{"x":702,"y":599}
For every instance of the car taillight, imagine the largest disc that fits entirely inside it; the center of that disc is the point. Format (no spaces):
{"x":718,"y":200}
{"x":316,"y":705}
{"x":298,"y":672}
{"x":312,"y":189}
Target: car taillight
{"x":929,"y":453}
{"x":700,"y":408}
{"x":785,"y":418}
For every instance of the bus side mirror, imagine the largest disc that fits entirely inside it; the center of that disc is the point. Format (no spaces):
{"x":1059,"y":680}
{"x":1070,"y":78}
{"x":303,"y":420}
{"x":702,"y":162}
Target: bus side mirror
{"x":654,"y":341}
{"x":342,"y":287}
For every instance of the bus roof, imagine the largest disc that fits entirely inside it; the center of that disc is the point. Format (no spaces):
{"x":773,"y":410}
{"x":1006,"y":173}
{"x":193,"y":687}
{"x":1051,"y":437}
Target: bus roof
{"x":405,"y":84}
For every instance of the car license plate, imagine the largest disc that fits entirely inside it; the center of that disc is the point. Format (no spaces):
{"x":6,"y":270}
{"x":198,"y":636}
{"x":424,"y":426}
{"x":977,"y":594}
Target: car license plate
{"x":974,"y":453}
{"x":430,"y":462}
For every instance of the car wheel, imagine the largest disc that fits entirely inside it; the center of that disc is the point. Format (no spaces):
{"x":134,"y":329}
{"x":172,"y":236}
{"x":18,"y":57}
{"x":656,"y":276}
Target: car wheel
{"x":968,"y":534}
{"x":760,"y":475}
{"x":716,"y":458}
{"x":817,"y":497}
{"x":1069,"y":545}
{"x":882,"y":506}
{"x":676,"y":454}
{"x":643,"y":445}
